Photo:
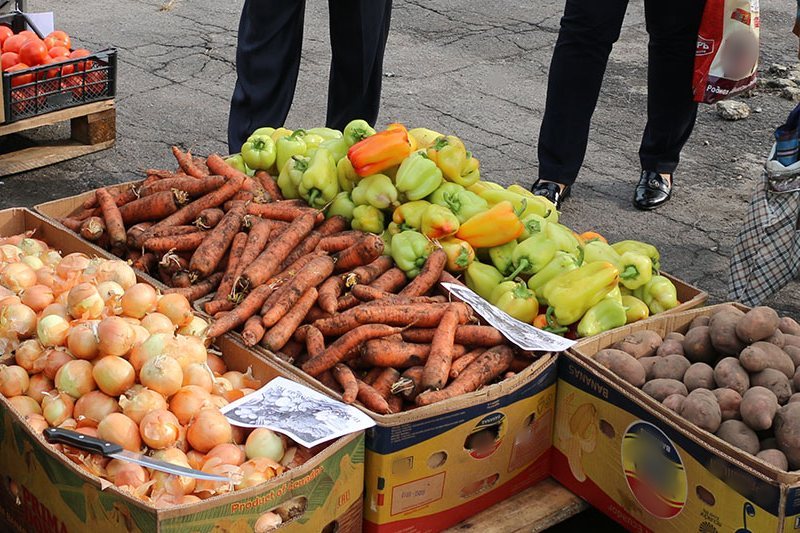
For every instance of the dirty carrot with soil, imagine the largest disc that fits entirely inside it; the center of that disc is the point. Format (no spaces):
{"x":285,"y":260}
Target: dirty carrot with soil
{"x":329,"y":293}
{"x":209,"y":218}
{"x":363,"y":252}
{"x":93,"y":228}
{"x":179,"y":243}
{"x":332,"y":225}
{"x":225,"y":287}
{"x":371,"y":399}
{"x":340,"y":241}
{"x":469,"y":335}
{"x":210,"y":252}
{"x":156,"y":206}
{"x":282,"y":210}
{"x":282,"y":331}
{"x":191,"y":186}
{"x":187,"y":164}
{"x":428,"y":275}
{"x":344,"y":345}
{"x":311,"y":275}
{"x":253,"y":331}
{"x":269,"y":185}
{"x":113,"y":219}
{"x":384,"y":382}
{"x":345,"y":377}
{"x":461,"y":363}
{"x":198,"y":290}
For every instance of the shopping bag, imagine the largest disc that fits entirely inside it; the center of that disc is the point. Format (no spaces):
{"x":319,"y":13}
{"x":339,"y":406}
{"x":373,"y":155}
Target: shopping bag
{"x":726,"y":59}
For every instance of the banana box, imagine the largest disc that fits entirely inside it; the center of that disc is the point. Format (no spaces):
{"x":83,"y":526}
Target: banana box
{"x":651,"y":470}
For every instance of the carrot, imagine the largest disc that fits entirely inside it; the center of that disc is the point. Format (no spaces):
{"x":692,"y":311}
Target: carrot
{"x":371,"y":399}
{"x":72,"y":224}
{"x":93,"y":228}
{"x":171,"y":263}
{"x":282,"y":331}
{"x":329,"y":293}
{"x":485,"y":336}
{"x":209,"y":218}
{"x":309,"y":276}
{"x":420,"y":315}
{"x":333,"y":224}
{"x":135,"y":231}
{"x":239,"y":315}
{"x":344,"y":345}
{"x":291,"y":351}
{"x":308,"y":245}
{"x":180,"y":280}
{"x":180,"y":243}
{"x":315,"y":342}
{"x":365,"y":293}
{"x":379,"y":275}
{"x":463,"y":362}
{"x":198,"y":290}
{"x":410,"y":383}
{"x":269,"y":185}
{"x":267,"y":263}
{"x":490,"y":364}
{"x":345,"y":377}
{"x":447,"y":277}
{"x":437,"y":367}
{"x":164,"y":174}
{"x":210,"y":252}
{"x":138,"y":238}
{"x":372,"y":375}
{"x":241,"y":196}
{"x":146,"y":262}
{"x":257,"y":239}
{"x":338,"y":324}
{"x":384,"y":382}
{"x":396,"y":404}
{"x":217,"y":165}
{"x":518,"y":364}
{"x":113,"y":219}
{"x":386,"y":353}
{"x":363,"y":252}
{"x":428,"y":276}
{"x":124,"y":196}
{"x":200,"y":162}
{"x":340,"y":241}
{"x":253,"y":331}
{"x":187,"y":164}
{"x":191,"y":186}
{"x":280,"y":211}
{"x":225,"y":287}
{"x":154,"y":207}
{"x":327,"y":379}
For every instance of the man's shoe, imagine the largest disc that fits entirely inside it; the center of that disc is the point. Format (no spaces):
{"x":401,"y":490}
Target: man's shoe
{"x":653,"y":190}
{"x":551,"y":190}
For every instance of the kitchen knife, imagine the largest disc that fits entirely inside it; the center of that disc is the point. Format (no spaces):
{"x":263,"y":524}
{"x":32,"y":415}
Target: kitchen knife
{"x":110,"y":449}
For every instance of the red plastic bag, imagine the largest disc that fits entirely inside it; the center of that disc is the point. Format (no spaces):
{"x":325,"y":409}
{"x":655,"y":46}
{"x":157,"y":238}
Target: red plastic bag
{"x":727,"y":50}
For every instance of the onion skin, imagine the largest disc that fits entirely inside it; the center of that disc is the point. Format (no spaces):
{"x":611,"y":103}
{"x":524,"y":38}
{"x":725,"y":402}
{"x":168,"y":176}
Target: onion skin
{"x":82,"y":340}
{"x":177,"y":308}
{"x":159,"y":429}
{"x":139,"y":300}
{"x":38,"y":385}
{"x":84,"y":302}
{"x":52,"y":330}
{"x":57,"y":407}
{"x":38,"y":297}
{"x":54,"y":359}
{"x":20,"y":319}
{"x":188,"y":401}
{"x":27,"y":355}
{"x":93,"y":407}
{"x":162,"y":374}
{"x":25,"y":405}
{"x":264,"y":442}
{"x":140,"y":403}
{"x":115,"y":336}
{"x":14,"y":381}
{"x":75,"y":378}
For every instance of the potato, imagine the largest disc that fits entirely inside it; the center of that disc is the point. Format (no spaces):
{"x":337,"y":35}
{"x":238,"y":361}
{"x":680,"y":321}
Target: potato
{"x":728,"y":400}
{"x":699,"y":321}
{"x":757,"y":324}
{"x":738,"y":434}
{"x":777,"y":338}
{"x":787,"y":433}
{"x":647,"y":363}
{"x":674,"y":402}
{"x":762,"y":355}
{"x":701,"y":408}
{"x":729,"y":373}
{"x":697,"y":345}
{"x":661,"y":388}
{"x":728,"y":308}
{"x":793,"y":352}
{"x":670,"y":367}
{"x":674,"y":336}
{"x":789,"y":326}
{"x":699,"y":376}
{"x":758,"y":408}
{"x":775,"y":381}
{"x":722,"y":329}
{"x":796,"y":380}
{"x":794,"y":398}
{"x":622,"y":364}
{"x":669,"y":347}
{"x":640,"y":344}
{"x":791,"y":340}
{"x":774,"y":457}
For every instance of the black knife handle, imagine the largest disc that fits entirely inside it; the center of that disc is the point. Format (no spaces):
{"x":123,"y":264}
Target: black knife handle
{"x":81,"y":441}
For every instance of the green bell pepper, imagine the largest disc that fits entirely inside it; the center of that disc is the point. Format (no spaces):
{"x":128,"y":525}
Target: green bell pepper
{"x":387,"y":243}
{"x":642,"y":248}
{"x":438,"y":222}
{"x":346,"y":175}
{"x":635,"y":309}
{"x":394,"y":229}
{"x":312,"y":141}
{"x":409,"y":214}
{"x":564,"y":239}
{"x":533,"y":224}
{"x":357,"y":130}
{"x":659,"y":294}
{"x":501,"y":257}
{"x":367,"y":218}
{"x":417,"y":176}
{"x":603,"y":316}
{"x":376,"y":190}
{"x":463,"y":203}
{"x":264,"y":131}
{"x":517,"y":300}
{"x":615,"y":294}
{"x":319,"y":184}
{"x":410,"y":250}
{"x":573,"y":293}
{"x":288,"y":146}
{"x":337,"y":148}
{"x":259,"y":152}
{"x":459,"y":254}
{"x":342,"y":205}
{"x":237,"y":162}
{"x":532,"y":255}
{"x":326,"y":133}
{"x":482,"y":279}
{"x":291,"y":175}
{"x":561,"y":263}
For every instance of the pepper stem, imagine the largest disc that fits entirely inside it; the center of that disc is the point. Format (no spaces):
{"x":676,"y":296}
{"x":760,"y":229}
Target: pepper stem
{"x":313,"y":194}
{"x":630,"y":272}
{"x":523,"y":264}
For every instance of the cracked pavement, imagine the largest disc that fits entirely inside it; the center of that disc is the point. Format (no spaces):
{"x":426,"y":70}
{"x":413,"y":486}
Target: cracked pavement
{"x":475,"y":69}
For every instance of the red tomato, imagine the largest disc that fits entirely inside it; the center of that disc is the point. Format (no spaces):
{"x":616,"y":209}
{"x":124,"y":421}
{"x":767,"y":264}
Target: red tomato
{"x":5,"y":33}
{"x":21,"y":79}
{"x":49,"y":73}
{"x":75,"y":83}
{"x":82,"y":65}
{"x":61,"y":36}
{"x":8,"y":59}
{"x":59,"y":51}
{"x":33,"y":52}
{"x":14,"y":43}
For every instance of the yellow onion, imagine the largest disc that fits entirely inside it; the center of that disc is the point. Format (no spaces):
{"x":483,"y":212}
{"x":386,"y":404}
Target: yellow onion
{"x":30,"y":246}
{"x":138,"y":402}
{"x":186,"y":350}
{"x":239,"y":380}
{"x":37,"y":422}
{"x":219,"y":401}
{"x":28,"y":352}
{"x":196,"y":327}
{"x":47,"y":277}
{"x":208,"y":429}
{"x":177,"y":308}
{"x":72,"y":265}
{"x":200,"y":375}
{"x":264,"y":442}
{"x":257,"y":471}
{"x":155,"y":345}
{"x":196,"y":459}
{"x":158,"y":323}
{"x":169,"y":483}
{"x":239,"y":434}
{"x":216,"y":364}
{"x":139,"y":334}
{"x":9,"y":253}
{"x":83,"y":301}
{"x":214,"y":465}
{"x":159,"y":429}
{"x":221,"y":386}
{"x":38,"y":297}
{"x":188,"y":401}
{"x":121,"y":430}
{"x":139,"y":300}
{"x":233,"y":395}
{"x":57,"y":407}
{"x":69,"y":423}
{"x":53,"y":360}
{"x":55,"y":309}
{"x":51,"y":258}
{"x":25,"y":405}
{"x":110,"y":289}
{"x":162,"y":374}
{"x":52,"y":330}
{"x":34,"y":262}
{"x":113,"y":375}
{"x":125,"y":474}
{"x":75,"y":378}
{"x":93,"y":407}
{"x":115,"y":336}
{"x":38,"y":385}
{"x":18,"y":318}
{"x":82,"y":340}
{"x":117,"y":271}
{"x":17,"y":276}
{"x":228,"y":453}
{"x":14,"y":380}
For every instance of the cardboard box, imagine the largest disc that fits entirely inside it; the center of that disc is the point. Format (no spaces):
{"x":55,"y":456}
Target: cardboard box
{"x":648,"y":468}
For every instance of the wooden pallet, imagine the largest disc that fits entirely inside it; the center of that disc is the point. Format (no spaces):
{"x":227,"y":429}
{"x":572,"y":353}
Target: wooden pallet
{"x":93,"y":128}
{"x":535,"y":509}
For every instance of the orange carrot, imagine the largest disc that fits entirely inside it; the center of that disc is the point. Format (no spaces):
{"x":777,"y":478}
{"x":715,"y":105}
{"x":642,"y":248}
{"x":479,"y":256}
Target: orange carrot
{"x":225,"y":287}
{"x":332,"y":225}
{"x":180,"y":280}
{"x":209,"y":218}
{"x":340,"y":241}
{"x":363,"y":252}
{"x":73,"y":223}
{"x":365,"y":293}
{"x":191,"y":186}
{"x":154,"y":207}
{"x":518,"y":364}
{"x":146,"y":262}
{"x":269,"y":185}
{"x":180,"y":243}
{"x":164,"y":174}
{"x":489,"y":365}
{"x":172,"y":262}
{"x":315,"y":342}
{"x":114,"y":225}
{"x":253,"y":331}
{"x":197,"y":291}
{"x":187,"y":164}
{"x":314,"y":273}
{"x":329,"y":293}
{"x":282,"y":331}
{"x":239,"y":315}
{"x":371,"y":399}
{"x":327,"y":379}
{"x":437,"y":367}
{"x":372,"y":375}
{"x":257,"y":238}
{"x":428,"y":276}
{"x":338,"y":324}
{"x":461,"y":363}
{"x":379,"y":275}
{"x":290,"y":352}
{"x":420,"y":315}
{"x":485,"y":336}
{"x":134,"y":232}
{"x":306,"y":246}
{"x":93,"y":228}
{"x":347,"y":380}
{"x":210,"y":252}
{"x":384,"y":382}
{"x":399,"y":354}
{"x":410,"y":383}
{"x":344,"y":345}
{"x":447,"y":277}
{"x":281,"y":211}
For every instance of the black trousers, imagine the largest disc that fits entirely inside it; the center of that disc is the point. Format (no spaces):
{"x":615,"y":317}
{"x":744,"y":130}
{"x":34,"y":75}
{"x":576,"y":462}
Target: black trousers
{"x":268,"y":61}
{"x":589,"y":28}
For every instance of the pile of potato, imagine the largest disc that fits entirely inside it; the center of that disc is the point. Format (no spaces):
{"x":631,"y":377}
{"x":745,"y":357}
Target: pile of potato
{"x":734,"y":374}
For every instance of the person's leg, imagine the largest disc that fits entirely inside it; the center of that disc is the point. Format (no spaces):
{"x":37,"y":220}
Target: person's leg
{"x":359,"y":29}
{"x":588,"y":31}
{"x":267,"y":63}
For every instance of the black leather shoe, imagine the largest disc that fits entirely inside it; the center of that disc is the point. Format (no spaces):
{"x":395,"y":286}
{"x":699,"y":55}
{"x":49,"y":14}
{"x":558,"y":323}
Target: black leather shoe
{"x":652,"y":191}
{"x":552,"y":191}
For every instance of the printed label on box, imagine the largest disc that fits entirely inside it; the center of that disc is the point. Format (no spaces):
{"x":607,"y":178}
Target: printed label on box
{"x":416,"y":493}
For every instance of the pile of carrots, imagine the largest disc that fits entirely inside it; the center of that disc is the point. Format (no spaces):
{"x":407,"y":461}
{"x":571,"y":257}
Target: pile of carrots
{"x":303,"y":287}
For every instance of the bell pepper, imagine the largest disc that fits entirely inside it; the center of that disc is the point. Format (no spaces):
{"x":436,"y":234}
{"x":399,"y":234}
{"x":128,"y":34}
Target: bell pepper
{"x":387,"y":243}
{"x":659,"y":294}
{"x":393,"y":229}
{"x":326,"y":133}
{"x":438,"y":222}
{"x":376,"y":190}
{"x":532,"y":225}
{"x":342,"y":205}
{"x":615,"y":294}
{"x":573,"y":293}
{"x":367,"y":218}
{"x":277,"y":134}
{"x":482,"y":186}
{"x":561,"y":263}
{"x":471,"y":172}
{"x":459,"y":254}
{"x":501,"y":257}
{"x":458,"y":166}
{"x":603,"y":316}
{"x":589,"y":236}
{"x":482,"y":279}
{"x":516,"y":299}
{"x":258,"y":152}
{"x":635,"y":309}
{"x":288,"y":146}
{"x":357,"y":130}
{"x":494,"y":227}
{"x":642,"y":248}
{"x":410,"y":250}
{"x":312,"y":141}
{"x":532,"y":255}
{"x":417,"y":176}
{"x":237,"y":162}
{"x":525,"y":205}
{"x":378,"y":152}
{"x":424,"y":137}
{"x":264,"y":131}
{"x":337,"y":148}
{"x":635,"y":269}
{"x":564,"y":238}
{"x":522,"y":191}
{"x":463,"y":203}
{"x":291,"y":175}
{"x":409,"y":214}
{"x":319,"y":184}
{"x":346,"y":175}
{"x":546,"y":322}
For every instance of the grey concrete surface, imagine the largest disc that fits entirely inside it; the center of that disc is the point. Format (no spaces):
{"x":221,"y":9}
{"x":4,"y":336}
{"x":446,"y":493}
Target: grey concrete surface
{"x":476,"y":69}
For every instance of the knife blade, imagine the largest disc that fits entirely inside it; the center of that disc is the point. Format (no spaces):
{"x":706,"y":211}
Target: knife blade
{"x":110,"y":449}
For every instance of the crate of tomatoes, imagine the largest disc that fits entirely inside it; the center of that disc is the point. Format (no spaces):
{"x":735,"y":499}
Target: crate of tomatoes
{"x":45,"y":73}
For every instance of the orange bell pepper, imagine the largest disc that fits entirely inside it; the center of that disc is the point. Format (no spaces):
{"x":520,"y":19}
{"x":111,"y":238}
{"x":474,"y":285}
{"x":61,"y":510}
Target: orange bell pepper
{"x":494,"y":227}
{"x":381,"y":151}
{"x":588,"y":236}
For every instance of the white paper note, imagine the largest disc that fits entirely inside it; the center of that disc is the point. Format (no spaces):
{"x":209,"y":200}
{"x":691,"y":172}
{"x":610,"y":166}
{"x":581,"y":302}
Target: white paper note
{"x":43,"y":22}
